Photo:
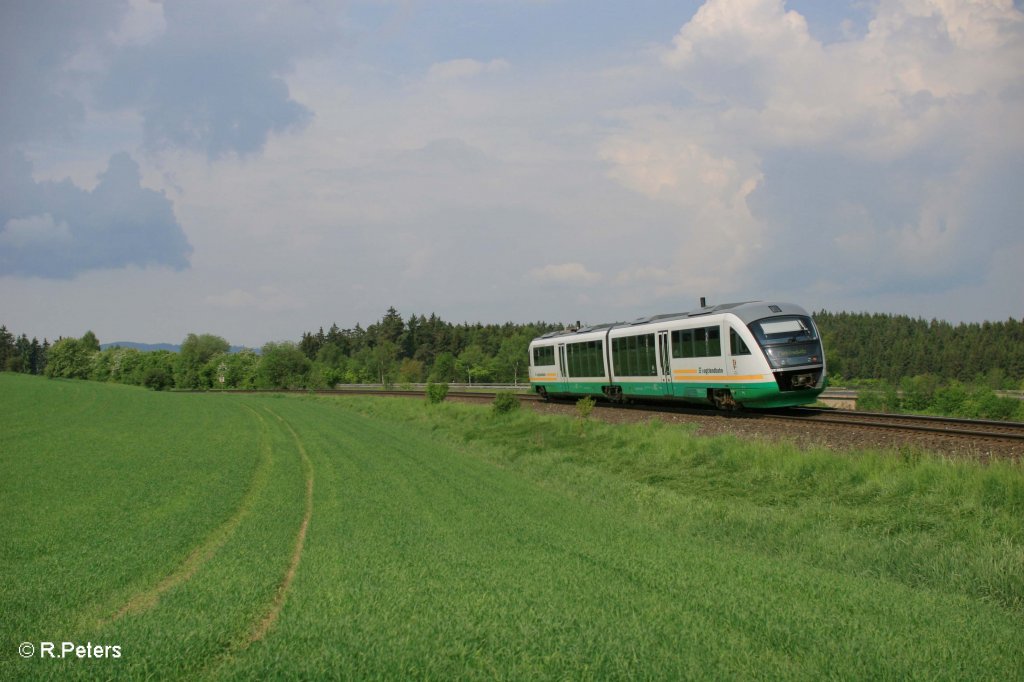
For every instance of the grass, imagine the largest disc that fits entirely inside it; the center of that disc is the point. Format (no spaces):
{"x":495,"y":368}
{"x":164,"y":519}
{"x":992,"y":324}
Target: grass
{"x":446,"y":541}
{"x":156,"y":522}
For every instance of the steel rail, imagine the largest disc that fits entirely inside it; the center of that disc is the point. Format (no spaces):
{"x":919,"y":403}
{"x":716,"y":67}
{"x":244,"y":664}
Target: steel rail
{"x":953,"y":426}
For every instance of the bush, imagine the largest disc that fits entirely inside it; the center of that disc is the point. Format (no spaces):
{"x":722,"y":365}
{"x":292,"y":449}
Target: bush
{"x":950,"y":400}
{"x":157,"y":378}
{"x":505,"y":402}
{"x":880,"y":397}
{"x":436,"y":393}
{"x":991,"y":406}
{"x":919,"y":392}
{"x":584,"y":406}
{"x":282,"y":365}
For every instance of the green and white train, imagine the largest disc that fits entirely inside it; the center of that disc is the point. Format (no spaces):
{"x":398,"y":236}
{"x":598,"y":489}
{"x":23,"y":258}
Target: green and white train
{"x":755,"y":354}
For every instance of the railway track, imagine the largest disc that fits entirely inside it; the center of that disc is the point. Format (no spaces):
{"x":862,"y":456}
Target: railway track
{"x":978,"y":429}
{"x":972,"y":428}
{"x":981,"y":430}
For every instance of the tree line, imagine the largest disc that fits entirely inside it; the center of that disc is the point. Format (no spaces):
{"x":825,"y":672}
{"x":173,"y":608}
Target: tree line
{"x":894,"y":347}
{"x":416,"y":349}
{"x":393,"y":350}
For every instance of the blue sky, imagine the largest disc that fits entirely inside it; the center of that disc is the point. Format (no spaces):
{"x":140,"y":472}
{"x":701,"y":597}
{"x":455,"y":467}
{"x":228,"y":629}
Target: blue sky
{"x":256,"y":169}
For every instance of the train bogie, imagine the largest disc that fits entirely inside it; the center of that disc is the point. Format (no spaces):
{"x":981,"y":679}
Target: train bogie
{"x":747,"y":354}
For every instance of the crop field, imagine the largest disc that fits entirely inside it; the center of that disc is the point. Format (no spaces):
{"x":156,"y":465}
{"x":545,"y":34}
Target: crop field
{"x":206,"y":536}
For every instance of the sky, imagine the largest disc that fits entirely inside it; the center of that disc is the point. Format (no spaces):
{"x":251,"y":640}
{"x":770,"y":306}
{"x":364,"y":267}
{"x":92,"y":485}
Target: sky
{"x":259,"y":168}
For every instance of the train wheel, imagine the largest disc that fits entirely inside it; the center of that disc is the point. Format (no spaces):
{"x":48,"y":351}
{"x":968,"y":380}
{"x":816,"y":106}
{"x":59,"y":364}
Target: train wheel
{"x":723,"y":400}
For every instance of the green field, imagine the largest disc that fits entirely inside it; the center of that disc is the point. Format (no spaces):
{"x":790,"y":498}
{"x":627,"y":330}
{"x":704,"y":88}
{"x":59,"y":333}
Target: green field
{"x":244,"y":536}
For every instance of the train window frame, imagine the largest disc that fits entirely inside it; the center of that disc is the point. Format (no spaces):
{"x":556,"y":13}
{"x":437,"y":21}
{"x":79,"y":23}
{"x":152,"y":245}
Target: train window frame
{"x":635,"y":355}
{"x":697,"y":342}
{"x":682,"y":343}
{"x":737,"y":346}
{"x":772,"y":331}
{"x":585,"y":359}
{"x":541,"y":353}
{"x":713,"y":336}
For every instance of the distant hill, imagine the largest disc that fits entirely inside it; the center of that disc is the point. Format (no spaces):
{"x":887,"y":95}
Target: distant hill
{"x":145,"y":347}
{"x":148,"y":347}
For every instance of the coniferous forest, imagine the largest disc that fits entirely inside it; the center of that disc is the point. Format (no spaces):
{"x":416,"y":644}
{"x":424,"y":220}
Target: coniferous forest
{"x":419,"y":348}
{"x":891,"y":348}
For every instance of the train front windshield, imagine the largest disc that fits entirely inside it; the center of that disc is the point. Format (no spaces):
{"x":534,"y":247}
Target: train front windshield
{"x":788,"y":341}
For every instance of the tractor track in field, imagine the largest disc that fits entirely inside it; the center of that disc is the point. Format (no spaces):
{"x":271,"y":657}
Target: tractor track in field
{"x":259,"y":627}
{"x":148,"y":599}
{"x":267,"y":621}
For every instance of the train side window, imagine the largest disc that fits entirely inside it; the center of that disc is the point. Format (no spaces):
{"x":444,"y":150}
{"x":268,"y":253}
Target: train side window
{"x":651,"y":359}
{"x":682,"y":343}
{"x":632,"y":356}
{"x":585,"y":359}
{"x":714,"y":347}
{"x":700,"y":343}
{"x":736,"y":344}
{"x":596,"y":358}
{"x":703,"y":342}
{"x":543,"y":355}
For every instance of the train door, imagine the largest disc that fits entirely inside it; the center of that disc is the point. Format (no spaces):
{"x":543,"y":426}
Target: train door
{"x":665,"y":362}
{"x":713,"y":363}
{"x":713,"y":366}
{"x":562,"y":385}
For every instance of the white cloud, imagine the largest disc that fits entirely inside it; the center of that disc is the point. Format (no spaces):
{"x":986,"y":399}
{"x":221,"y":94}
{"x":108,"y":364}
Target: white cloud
{"x":929,"y":101}
{"x":744,"y":158}
{"x":142,"y":23}
{"x":457,"y":69}
{"x":922,"y":67}
{"x":570,"y":274}
{"x":266,"y":298}
{"x":661,"y":159}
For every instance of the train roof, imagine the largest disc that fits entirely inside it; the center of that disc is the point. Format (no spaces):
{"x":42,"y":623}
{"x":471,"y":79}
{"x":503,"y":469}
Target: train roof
{"x":747,"y":311}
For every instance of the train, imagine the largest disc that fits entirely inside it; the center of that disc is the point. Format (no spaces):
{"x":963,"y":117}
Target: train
{"x":754,"y":354}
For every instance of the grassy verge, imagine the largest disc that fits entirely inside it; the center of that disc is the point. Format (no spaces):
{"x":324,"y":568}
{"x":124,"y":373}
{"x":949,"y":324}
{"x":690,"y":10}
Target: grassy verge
{"x":451,"y":542}
{"x":447,"y":541}
{"x":919,"y":519}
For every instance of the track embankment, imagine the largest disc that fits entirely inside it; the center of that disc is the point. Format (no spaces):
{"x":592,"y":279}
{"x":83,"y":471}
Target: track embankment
{"x":832,"y":429}
{"x":843,"y":432}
